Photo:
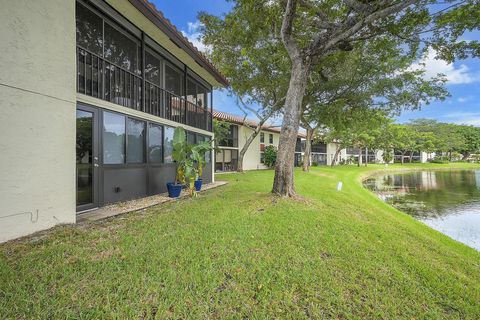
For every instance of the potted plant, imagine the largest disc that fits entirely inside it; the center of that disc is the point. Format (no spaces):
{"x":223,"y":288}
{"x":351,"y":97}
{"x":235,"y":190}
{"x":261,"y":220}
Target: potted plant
{"x":179,"y":155}
{"x":198,"y":155}
{"x":189,"y":160}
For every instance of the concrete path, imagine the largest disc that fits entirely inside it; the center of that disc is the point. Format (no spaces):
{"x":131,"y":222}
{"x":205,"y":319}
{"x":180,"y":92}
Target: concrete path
{"x":137,"y":204}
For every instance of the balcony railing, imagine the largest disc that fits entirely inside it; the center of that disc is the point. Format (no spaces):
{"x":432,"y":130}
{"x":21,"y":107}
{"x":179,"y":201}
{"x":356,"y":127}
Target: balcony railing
{"x":101,"y":79}
{"x":228,"y":142}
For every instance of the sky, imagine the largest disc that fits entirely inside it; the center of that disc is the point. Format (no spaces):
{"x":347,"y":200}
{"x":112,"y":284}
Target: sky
{"x":462,"y":107}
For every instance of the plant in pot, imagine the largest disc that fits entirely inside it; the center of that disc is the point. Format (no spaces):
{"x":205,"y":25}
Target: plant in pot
{"x":189,"y":160}
{"x":198,"y":155}
{"x":179,"y":155}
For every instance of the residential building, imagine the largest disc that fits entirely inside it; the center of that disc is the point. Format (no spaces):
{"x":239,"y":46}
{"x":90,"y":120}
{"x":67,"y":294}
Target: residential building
{"x":240,"y":129}
{"x":90,"y":93}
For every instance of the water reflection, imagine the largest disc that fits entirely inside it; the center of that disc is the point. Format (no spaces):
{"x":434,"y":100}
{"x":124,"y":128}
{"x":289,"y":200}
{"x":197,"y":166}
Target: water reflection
{"x":448,"y":201}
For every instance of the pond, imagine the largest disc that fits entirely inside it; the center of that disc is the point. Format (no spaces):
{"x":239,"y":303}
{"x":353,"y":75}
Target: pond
{"x":448,"y":201}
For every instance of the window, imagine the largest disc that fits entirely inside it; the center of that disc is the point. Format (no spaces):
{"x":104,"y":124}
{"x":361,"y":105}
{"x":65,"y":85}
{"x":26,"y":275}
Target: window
{"x":191,"y":137}
{"x":231,"y":139}
{"x":262,"y":137}
{"x":152,"y":68}
{"x":168,"y":144}
{"x":121,"y":50}
{"x":196,"y":93}
{"x":270,"y":138}
{"x":89,"y":30}
{"x":173,"y":80}
{"x":109,"y":67}
{"x":191,"y":91}
{"x":135,"y":141}
{"x":319,"y":147}
{"x":201,"y":138}
{"x":208,"y":155}
{"x":113,"y":138}
{"x":262,"y":157}
{"x":155,"y":143}
{"x":202,"y":97}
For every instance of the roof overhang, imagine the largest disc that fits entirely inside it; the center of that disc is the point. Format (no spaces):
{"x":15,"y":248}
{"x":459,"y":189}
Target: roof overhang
{"x":157,"y":18}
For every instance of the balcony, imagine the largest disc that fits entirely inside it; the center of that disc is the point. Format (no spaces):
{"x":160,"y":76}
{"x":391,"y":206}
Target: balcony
{"x":99,"y":78}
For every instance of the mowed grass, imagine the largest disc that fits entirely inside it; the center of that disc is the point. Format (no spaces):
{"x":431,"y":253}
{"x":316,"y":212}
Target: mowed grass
{"x":236,"y":252}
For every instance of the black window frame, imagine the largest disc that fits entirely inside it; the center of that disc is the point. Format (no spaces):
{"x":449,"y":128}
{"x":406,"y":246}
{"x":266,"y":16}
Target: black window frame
{"x":262,"y":137}
{"x":270,"y":138}
{"x":145,"y":127}
{"x":162,"y":158}
{"x":232,"y":139}
{"x":134,"y":94}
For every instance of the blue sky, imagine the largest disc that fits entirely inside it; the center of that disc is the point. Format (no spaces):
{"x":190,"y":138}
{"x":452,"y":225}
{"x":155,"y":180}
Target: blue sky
{"x":463,"y":76}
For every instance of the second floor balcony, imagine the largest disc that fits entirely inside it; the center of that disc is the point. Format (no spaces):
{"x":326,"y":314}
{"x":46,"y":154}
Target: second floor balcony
{"x":126,"y":69}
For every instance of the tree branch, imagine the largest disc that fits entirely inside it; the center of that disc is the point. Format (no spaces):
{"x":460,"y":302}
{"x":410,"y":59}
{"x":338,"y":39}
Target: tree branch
{"x":287,"y":29}
{"x":357,"y":24}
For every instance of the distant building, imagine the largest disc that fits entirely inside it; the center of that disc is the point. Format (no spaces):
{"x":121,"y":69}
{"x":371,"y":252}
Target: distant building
{"x":321,"y":153}
{"x":240,"y":129}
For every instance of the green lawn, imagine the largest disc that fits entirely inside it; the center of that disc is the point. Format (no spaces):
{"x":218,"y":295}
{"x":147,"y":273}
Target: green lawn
{"x":236,"y":252}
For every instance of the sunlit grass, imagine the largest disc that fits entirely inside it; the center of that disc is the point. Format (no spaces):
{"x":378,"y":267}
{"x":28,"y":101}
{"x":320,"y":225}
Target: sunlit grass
{"x":238,"y":252}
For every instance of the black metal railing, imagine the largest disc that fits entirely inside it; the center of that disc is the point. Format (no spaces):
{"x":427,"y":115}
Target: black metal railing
{"x":101,"y":79}
{"x":228,"y":142}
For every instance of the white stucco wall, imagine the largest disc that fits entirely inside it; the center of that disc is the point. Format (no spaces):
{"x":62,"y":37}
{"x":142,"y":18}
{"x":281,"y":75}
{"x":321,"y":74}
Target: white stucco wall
{"x":37,"y":122}
{"x":425,"y":156}
{"x":251,"y":160}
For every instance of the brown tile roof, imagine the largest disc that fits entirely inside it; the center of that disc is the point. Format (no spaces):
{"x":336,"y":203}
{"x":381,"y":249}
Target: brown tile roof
{"x":156,"y":16}
{"x":220,"y":115}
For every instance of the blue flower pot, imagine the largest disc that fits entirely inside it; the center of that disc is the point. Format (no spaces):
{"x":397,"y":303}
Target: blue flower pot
{"x":198,"y":184}
{"x":174,"y":190}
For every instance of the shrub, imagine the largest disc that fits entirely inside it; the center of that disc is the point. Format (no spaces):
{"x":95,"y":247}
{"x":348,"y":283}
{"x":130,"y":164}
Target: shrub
{"x":314,"y":164}
{"x":270,"y":156}
{"x":387,"y":156}
{"x":475,"y":158}
{"x":440,"y":159}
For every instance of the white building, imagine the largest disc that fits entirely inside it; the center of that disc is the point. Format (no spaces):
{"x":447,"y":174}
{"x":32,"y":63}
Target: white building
{"x":90,"y":92}
{"x":321,"y":153}
{"x":240,"y":129}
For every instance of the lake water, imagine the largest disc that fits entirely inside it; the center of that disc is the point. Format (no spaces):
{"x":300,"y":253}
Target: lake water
{"x":448,"y":201}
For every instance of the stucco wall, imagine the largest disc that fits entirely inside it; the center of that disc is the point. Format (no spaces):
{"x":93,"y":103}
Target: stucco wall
{"x":251,"y":161}
{"x":37,"y":122}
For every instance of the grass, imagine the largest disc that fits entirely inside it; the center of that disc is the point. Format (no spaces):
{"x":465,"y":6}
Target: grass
{"x":236,"y":252}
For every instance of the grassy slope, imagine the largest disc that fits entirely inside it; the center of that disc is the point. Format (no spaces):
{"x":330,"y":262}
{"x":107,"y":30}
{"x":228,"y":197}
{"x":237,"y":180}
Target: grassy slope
{"x":236,"y":252}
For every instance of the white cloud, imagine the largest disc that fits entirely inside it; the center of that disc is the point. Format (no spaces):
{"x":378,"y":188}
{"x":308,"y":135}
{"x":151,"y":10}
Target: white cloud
{"x":471,"y":122}
{"x":194,"y":36}
{"x":460,"y":74}
{"x":468,"y":118}
{"x":464,"y":99}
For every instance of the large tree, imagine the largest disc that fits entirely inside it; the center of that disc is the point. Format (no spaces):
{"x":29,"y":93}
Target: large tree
{"x":375,"y":75}
{"x":245,"y":50}
{"x":312,"y":31}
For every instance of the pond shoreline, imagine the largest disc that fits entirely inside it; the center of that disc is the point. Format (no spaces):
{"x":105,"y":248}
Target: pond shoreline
{"x":447,"y":200}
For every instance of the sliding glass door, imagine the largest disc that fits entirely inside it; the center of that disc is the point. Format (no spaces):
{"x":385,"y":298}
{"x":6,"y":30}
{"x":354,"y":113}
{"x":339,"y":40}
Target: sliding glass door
{"x":87,"y":162}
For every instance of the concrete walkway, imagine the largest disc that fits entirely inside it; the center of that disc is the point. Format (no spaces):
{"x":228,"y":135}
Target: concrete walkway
{"x":137,"y":204}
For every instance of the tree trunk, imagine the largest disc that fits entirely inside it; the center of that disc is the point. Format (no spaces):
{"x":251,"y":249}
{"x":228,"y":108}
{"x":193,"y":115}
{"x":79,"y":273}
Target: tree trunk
{"x":411,"y":157}
{"x":245,"y":147}
{"x":249,"y":141}
{"x":366,"y":157}
{"x":359,"y":157}
{"x":283,"y":182}
{"x":308,"y":149}
{"x":240,"y":161}
{"x":403,"y":157}
{"x":465,"y":156}
{"x":335,"y":157}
